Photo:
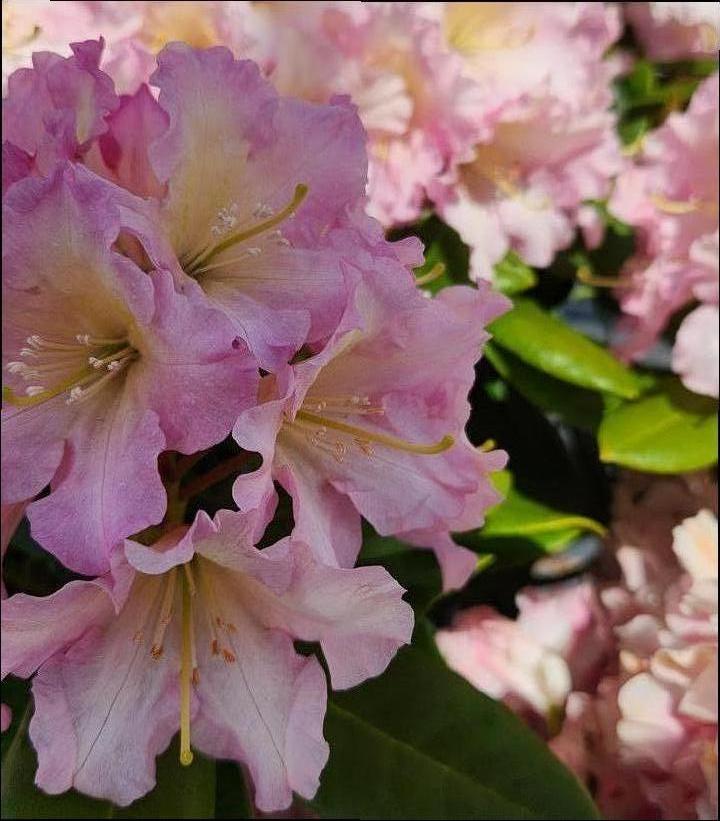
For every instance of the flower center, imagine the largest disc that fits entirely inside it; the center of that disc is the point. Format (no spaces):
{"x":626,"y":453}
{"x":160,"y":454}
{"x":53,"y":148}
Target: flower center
{"x":201,"y":262}
{"x":192,"y":585}
{"x":80,"y":367}
{"x":321,"y":415}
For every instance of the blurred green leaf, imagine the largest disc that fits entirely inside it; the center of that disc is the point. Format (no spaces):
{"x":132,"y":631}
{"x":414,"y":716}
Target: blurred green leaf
{"x":573,"y":405}
{"x":542,"y":340}
{"x":420,"y":742}
{"x":513,"y":276}
{"x":667,"y":431}
{"x":181,"y":792}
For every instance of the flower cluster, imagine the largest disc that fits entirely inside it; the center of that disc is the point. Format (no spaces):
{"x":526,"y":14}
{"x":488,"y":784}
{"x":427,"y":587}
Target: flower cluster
{"x":182,"y":265}
{"x":459,"y":100}
{"x":620,"y":675}
{"x":670,"y":195}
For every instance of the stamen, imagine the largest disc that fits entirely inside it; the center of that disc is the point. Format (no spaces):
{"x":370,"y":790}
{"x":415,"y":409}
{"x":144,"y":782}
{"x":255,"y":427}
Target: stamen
{"x":675,"y":207}
{"x":299,"y":195}
{"x":379,"y":438}
{"x":186,"y":674}
{"x":585,"y":275}
{"x":165,"y":615}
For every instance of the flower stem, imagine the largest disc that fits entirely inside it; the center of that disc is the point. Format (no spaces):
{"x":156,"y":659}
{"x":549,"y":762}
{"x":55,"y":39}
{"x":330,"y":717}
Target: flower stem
{"x":212,"y":477}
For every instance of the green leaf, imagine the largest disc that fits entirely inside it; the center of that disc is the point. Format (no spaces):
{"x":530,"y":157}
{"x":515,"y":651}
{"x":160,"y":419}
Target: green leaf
{"x":547,"y":343}
{"x":667,"y":431}
{"x":181,"y":792}
{"x":420,"y":742}
{"x":521,"y":529}
{"x":574,"y":406}
{"x":232,"y":798}
{"x":512,"y":275}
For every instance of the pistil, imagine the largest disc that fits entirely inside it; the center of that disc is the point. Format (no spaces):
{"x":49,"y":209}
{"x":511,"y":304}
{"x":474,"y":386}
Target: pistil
{"x":362,"y":436}
{"x":198,"y":265}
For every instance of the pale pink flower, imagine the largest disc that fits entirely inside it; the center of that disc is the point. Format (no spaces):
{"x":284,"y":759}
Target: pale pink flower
{"x":676,"y":31}
{"x":134,"y":31}
{"x":390,"y":59}
{"x":497,"y":656}
{"x":559,"y":641}
{"x":545,"y":141}
{"x":373,"y":423}
{"x":670,"y":196}
{"x":104,"y":365}
{"x":196,"y":633}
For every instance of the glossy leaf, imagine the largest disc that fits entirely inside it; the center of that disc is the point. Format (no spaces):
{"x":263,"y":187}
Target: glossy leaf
{"x":512,"y":275}
{"x":521,"y":529}
{"x":668,"y":431}
{"x":547,"y":343}
{"x":574,"y":406}
{"x":420,"y":742}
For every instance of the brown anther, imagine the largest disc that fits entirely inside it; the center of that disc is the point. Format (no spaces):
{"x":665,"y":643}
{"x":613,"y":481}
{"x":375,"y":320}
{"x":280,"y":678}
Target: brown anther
{"x":229,"y":656}
{"x":156,"y":651}
{"x":195,"y":676}
{"x":230,"y":627}
{"x":214,"y":647}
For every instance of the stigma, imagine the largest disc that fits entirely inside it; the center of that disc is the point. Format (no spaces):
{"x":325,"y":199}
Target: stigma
{"x":187,"y":594}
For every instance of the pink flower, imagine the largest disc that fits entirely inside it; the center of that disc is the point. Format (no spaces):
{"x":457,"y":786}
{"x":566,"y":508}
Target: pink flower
{"x":105,"y":366}
{"x":57,"y":108}
{"x":545,"y":141}
{"x":560,"y":641}
{"x":390,"y":59}
{"x":134,"y":31}
{"x":676,"y":31}
{"x":670,"y":196}
{"x":373,"y":423}
{"x":196,"y":633}
{"x":249,"y":187}
{"x":496,"y":655}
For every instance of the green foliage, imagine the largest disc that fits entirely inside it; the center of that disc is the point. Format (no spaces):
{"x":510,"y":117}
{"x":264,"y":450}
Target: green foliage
{"x":542,"y":340}
{"x":522,"y":528}
{"x":667,"y":431}
{"x":645,"y":95}
{"x":512,"y":275}
{"x":572,"y":405}
{"x":420,"y":742}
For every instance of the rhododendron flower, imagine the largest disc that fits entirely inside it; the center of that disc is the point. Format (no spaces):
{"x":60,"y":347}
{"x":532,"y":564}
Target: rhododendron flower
{"x":671,"y":197}
{"x":373,"y":424}
{"x":559,"y":641}
{"x":134,"y":31}
{"x":104,"y":367}
{"x":196,"y":632}
{"x":390,"y":59}
{"x":547,"y":141}
{"x":248,"y":185}
{"x":57,"y":108}
{"x":676,"y":31}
